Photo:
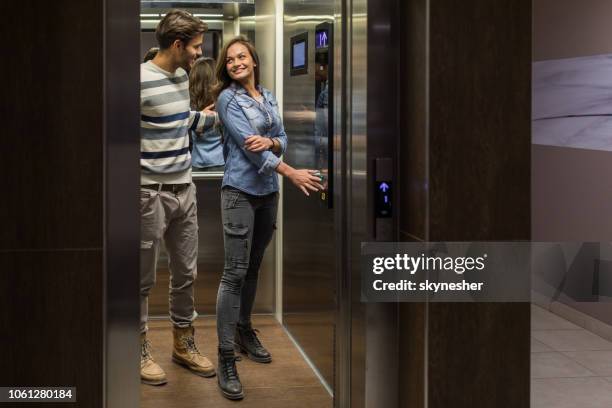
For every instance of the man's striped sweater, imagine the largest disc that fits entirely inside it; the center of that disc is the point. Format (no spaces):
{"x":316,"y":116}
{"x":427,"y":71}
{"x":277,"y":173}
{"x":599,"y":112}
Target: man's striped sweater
{"x":165,"y":121}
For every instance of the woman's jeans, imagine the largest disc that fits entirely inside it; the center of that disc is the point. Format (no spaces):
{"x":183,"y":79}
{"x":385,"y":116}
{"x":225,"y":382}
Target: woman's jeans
{"x":248,"y":224}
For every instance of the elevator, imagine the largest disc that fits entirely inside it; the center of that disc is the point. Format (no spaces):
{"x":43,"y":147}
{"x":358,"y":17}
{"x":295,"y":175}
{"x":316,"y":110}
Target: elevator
{"x":415,"y":114}
{"x":315,"y":59}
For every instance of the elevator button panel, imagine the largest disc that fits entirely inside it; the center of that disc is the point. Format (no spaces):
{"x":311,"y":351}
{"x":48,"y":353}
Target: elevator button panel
{"x":384,"y":195}
{"x":323,"y":98}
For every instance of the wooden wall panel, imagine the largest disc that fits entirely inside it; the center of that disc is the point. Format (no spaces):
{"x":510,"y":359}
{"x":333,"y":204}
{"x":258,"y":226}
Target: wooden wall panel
{"x":51,"y":240}
{"x":478,"y":141}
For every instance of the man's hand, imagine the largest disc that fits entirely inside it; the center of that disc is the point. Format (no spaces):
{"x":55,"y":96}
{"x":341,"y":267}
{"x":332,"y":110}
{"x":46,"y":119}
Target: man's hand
{"x":257,"y":143}
{"x":207,"y":111}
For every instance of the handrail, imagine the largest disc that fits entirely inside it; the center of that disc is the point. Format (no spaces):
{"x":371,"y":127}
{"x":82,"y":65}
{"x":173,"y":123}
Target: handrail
{"x":207,"y":175}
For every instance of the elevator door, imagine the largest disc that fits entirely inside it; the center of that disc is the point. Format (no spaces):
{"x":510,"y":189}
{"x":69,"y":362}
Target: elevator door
{"x":309,"y":300}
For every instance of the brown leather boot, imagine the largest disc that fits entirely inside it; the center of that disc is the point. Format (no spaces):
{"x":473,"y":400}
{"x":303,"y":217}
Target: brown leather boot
{"x":186,"y":353}
{"x":150,"y":372}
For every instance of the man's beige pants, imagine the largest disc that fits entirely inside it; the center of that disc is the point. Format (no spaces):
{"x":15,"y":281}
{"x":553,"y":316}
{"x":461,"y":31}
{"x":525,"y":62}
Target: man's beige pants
{"x":173,"y":218}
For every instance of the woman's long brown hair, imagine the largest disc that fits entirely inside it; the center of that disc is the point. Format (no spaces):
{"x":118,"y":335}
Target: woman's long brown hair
{"x":201,"y":83}
{"x":223,"y":78}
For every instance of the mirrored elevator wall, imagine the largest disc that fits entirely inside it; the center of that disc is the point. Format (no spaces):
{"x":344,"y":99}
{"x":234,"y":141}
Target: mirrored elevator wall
{"x":255,"y":21}
{"x":309,"y":246}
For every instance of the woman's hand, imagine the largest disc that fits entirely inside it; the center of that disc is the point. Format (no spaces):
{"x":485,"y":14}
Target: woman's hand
{"x":305,"y":180}
{"x":257,"y":143}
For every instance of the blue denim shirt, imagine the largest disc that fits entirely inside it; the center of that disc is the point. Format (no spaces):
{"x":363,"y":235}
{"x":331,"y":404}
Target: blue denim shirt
{"x":207,"y":148}
{"x":242,"y":116}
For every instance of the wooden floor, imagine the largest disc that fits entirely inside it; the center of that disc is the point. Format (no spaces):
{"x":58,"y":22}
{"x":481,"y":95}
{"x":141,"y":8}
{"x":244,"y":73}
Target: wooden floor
{"x":287,"y":382}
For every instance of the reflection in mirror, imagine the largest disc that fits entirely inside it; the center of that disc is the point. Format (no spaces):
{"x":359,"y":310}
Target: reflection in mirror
{"x":289,"y":380}
{"x":224,"y":20}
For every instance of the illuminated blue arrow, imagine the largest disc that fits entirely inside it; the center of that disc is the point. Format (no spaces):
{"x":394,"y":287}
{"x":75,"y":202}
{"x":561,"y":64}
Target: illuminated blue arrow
{"x":324,"y":38}
{"x":384,"y":187}
{"x":386,"y":199}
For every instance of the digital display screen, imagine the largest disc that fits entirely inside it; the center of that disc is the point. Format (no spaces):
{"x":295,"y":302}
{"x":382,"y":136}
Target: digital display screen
{"x":299,"y":55}
{"x":321,"y":39}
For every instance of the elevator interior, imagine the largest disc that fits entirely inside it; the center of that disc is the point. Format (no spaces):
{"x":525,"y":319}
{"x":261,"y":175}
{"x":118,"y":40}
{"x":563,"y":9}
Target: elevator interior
{"x":302,"y":300}
{"x":307,"y":285}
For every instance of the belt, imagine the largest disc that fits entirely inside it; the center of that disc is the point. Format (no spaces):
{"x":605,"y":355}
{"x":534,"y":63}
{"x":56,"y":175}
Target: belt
{"x":174,"y":188}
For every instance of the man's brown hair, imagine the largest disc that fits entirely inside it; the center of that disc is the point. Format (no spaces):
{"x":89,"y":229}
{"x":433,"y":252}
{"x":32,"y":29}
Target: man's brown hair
{"x":178,"y":25}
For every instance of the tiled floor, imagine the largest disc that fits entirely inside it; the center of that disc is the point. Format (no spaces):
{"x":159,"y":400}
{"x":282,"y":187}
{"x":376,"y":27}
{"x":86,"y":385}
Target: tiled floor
{"x":570,"y":366}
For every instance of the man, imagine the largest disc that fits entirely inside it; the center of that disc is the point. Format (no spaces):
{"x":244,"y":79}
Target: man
{"x":167,"y":195}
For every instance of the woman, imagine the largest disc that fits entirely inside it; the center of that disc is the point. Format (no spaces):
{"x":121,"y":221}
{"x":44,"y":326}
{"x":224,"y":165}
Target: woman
{"x":207,"y":149}
{"x":254,"y":140}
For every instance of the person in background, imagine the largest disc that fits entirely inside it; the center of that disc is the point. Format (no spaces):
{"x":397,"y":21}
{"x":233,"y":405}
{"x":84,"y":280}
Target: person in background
{"x":254,"y":140}
{"x":207,"y":149}
{"x":167,"y":195}
{"x":150,"y":54}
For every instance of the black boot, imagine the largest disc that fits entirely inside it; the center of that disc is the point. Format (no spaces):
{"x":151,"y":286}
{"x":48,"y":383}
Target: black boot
{"x":247,"y":343}
{"x":227,"y":375}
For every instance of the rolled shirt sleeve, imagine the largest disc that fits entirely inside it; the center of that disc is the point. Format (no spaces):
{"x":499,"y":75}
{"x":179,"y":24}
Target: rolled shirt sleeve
{"x":281,"y":137}
{"x":238,"y":128}
{"x":282,"y":140}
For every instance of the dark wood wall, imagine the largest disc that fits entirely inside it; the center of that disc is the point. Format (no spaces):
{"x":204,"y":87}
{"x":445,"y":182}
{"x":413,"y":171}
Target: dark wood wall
{"x":51,"y":240}
{"x":53,"y":170}
{"x":474,"y":184}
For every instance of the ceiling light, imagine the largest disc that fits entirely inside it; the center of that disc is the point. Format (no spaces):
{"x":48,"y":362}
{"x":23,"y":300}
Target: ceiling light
{"x":208,"y":15}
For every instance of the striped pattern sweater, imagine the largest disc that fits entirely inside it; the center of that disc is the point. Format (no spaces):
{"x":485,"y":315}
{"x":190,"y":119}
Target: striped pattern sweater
{"x":165,"y":121}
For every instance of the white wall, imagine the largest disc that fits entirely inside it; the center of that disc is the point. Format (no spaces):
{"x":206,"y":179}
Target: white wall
{"x":571,"y":28}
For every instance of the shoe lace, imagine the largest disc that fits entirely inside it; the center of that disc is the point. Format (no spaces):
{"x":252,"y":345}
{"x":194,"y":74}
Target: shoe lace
{"x":189,"y":342}
{"x":252,"y":336}
{"x":145,"y":350}
{"x":229,"y":367}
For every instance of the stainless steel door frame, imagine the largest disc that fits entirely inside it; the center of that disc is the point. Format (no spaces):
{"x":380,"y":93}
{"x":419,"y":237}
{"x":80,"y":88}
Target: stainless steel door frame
{"x":121,"y":110}
{"x":367,"y":125}
{"x":309,"y":241}
{"x":342,"y":124}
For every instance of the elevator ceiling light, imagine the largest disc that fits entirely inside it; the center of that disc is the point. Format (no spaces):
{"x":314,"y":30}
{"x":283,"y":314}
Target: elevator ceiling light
{"x":204,"y":20}
{"x":149,"y":15}
{"x":208,"y":15}
{"x":179,"y":3}
{"x":308,"y":18}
